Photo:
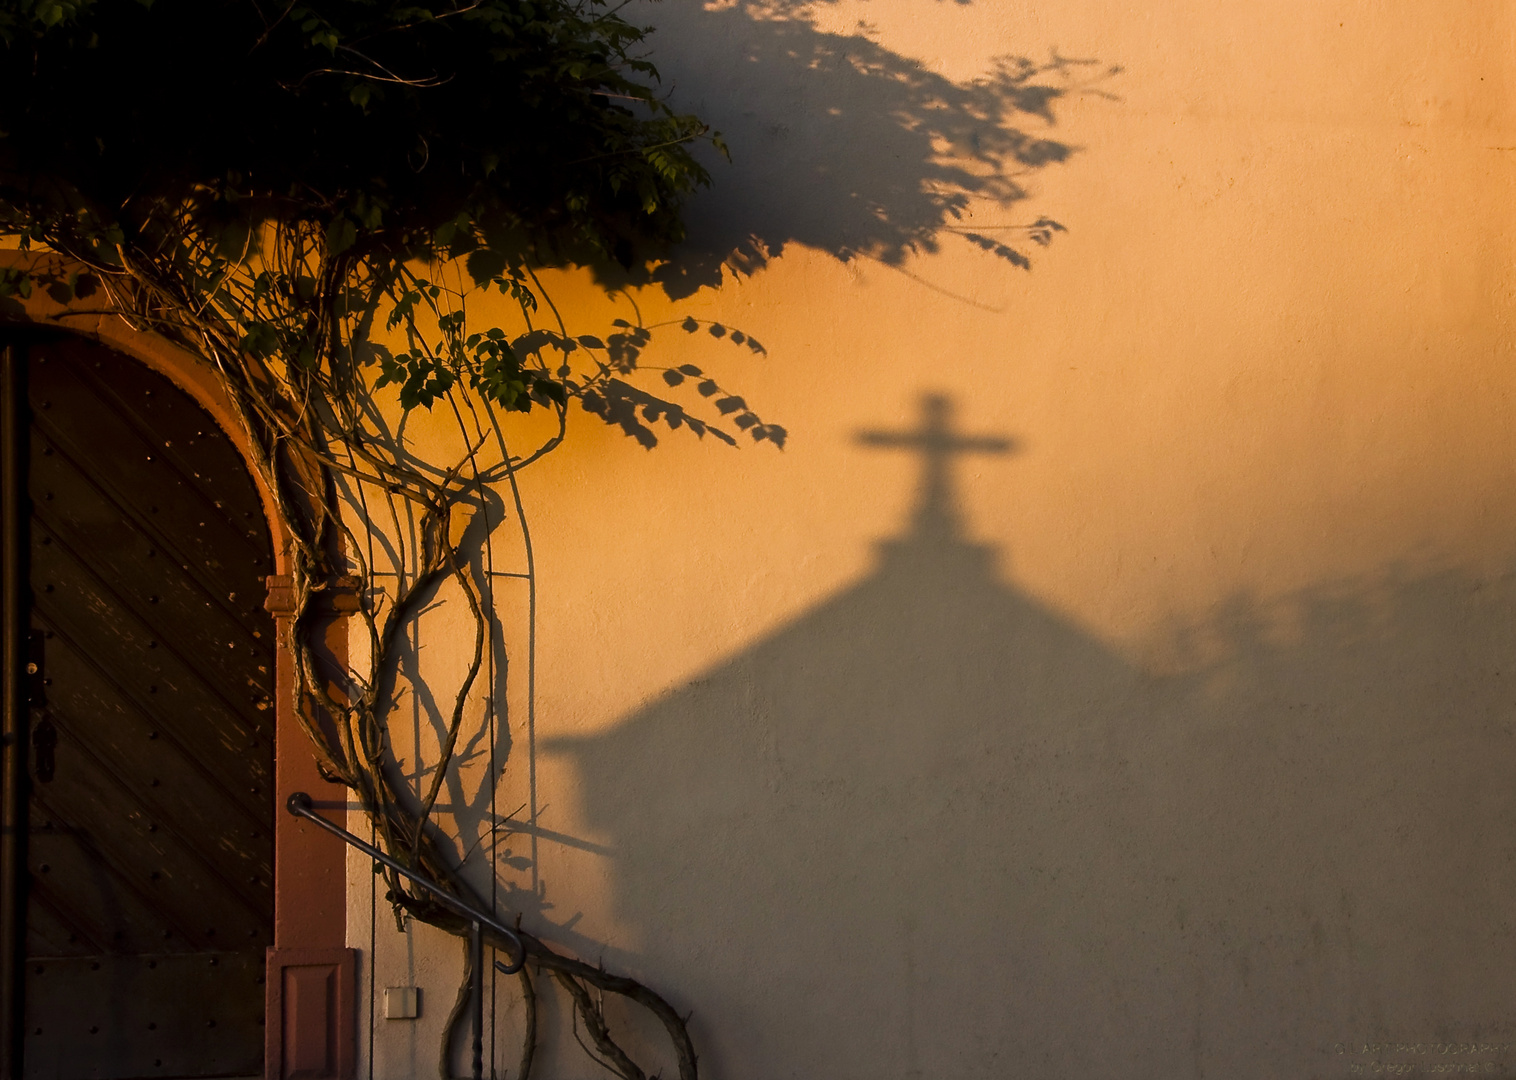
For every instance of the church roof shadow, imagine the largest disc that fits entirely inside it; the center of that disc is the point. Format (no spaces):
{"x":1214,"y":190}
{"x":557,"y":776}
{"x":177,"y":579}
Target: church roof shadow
{"x":933,"y":828}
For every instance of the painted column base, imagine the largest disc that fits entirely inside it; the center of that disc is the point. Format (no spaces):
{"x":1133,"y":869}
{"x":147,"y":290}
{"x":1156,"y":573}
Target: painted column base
{"x":311,"y":1010}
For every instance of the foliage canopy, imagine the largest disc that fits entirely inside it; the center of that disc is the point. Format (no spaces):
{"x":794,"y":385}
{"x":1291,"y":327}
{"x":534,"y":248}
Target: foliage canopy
{"x":306,"y":195}
{"x":287,"y":162}
{"x":403,"y":129}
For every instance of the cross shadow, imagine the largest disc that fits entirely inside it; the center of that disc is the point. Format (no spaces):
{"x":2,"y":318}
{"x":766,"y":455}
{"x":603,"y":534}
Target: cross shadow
{"x":931,"y":827}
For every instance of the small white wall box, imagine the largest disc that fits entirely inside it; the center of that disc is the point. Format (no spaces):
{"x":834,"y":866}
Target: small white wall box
{"x":402,"y":1002}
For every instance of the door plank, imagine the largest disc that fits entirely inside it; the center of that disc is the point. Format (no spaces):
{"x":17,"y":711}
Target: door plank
{"x":151,"y":834}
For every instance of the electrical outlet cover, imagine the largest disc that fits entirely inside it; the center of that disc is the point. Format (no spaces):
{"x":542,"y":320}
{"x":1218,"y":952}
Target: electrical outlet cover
{"x":402,"y":1002}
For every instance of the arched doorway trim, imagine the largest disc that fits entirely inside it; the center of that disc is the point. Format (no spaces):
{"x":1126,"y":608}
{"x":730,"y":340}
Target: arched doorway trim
{"x":309,"y":865}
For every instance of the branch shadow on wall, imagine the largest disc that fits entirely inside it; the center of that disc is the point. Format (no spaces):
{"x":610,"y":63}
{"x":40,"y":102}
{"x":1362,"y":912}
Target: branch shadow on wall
{"x":847,"y":147}
{"x":933,"y":828}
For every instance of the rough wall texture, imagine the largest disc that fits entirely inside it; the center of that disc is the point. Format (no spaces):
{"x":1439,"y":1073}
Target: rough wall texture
{"x":1112,"y":677}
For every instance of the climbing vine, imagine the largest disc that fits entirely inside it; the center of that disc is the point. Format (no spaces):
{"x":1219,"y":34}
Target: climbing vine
{"x":319,"y":201}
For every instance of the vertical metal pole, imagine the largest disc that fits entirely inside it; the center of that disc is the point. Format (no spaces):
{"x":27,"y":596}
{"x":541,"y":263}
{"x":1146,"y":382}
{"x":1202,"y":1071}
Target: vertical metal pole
{"x":14,"y":602}
{"x":476,"y":994}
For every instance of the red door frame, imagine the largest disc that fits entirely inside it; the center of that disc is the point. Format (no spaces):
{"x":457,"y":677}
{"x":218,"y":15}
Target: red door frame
{"x":310,"y":1011}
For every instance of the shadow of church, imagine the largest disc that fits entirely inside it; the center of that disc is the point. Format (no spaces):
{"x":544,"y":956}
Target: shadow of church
{"x":933,"y":828}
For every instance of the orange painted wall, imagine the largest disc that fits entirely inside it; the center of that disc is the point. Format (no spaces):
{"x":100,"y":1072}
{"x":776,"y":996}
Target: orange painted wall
{"x":1178,"y":742}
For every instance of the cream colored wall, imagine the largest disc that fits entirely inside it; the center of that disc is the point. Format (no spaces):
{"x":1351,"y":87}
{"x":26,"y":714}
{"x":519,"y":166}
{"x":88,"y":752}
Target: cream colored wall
{"x":1191,"y":753}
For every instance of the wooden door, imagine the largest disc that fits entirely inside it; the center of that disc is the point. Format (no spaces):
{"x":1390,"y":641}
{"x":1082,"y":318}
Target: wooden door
{"x":149,"y":891}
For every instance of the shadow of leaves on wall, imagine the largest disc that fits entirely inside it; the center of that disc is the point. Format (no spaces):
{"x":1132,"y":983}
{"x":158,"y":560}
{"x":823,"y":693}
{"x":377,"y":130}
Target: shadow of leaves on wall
{"x":845,"y":146}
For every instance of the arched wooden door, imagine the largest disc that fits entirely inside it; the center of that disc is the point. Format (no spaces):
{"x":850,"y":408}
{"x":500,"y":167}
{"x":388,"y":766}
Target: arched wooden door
{"x":149,"y":839}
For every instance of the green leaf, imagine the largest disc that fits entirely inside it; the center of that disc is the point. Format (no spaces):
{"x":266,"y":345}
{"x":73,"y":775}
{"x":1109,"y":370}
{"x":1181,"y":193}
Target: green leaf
{"x":341,"y":234}
{"x":260,"y":339}
{"x":15,"y":283}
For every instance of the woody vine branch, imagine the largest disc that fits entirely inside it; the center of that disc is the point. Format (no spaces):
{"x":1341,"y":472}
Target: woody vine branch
{"x":316,"y":200}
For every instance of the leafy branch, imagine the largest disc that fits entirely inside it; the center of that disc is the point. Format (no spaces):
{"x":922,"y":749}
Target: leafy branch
{"x":321,"y":234}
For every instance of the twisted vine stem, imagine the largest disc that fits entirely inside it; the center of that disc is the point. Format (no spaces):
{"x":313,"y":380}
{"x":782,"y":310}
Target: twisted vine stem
{"x":315,"y":428}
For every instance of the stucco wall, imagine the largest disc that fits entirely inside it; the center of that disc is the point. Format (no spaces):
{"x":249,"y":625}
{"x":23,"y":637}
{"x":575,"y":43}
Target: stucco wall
{"x":1171,"y":738}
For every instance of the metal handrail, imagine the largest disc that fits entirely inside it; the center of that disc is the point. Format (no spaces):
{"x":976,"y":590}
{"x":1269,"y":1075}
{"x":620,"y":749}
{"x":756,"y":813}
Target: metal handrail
{"x":301,"y":806}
